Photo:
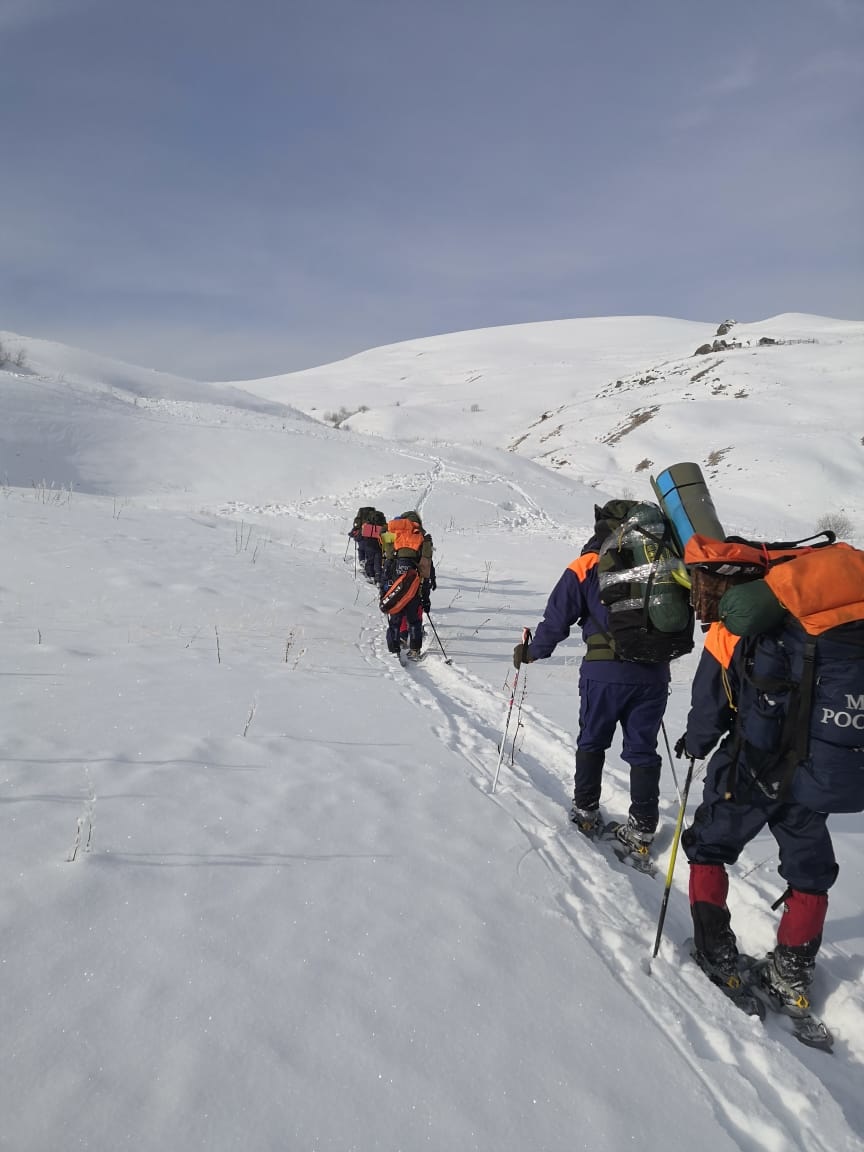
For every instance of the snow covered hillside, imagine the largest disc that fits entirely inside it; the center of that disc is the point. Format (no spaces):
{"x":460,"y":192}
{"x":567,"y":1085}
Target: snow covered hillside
{"x":255,"y":889}
{"x":610,"y":400}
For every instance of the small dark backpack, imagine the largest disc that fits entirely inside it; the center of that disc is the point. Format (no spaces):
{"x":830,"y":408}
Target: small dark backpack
{"x":650,"y":618}
{"x":364,"y":516}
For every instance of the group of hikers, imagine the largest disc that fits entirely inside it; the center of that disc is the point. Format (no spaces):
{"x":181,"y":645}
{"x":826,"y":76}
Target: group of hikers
{"x":778,"y":695}
{"x":396,"y":556}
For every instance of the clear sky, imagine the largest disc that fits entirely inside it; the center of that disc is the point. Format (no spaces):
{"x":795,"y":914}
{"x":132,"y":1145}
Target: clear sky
{"x":232,"y":189}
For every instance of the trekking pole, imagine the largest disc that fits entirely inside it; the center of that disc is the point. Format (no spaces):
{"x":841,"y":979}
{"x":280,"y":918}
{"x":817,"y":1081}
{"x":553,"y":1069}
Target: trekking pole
{"x":347,"y":546}
{"x":678,"y":825}
{"x":671,"y":761}
{"x":518,"y":717}
{"x":447,"y":659}
{"x":526,"y":640}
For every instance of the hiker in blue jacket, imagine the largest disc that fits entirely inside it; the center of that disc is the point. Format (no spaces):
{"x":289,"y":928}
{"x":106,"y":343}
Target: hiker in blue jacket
{"x":612,"y":692}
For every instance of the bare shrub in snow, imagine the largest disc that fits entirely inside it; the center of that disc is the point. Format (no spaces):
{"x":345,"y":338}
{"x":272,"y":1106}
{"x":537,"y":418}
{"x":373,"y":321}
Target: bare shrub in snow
{"x":838,"y":523}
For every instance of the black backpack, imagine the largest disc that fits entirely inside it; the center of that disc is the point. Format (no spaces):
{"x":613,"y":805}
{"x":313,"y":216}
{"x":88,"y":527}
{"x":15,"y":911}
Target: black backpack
{"x":363,"y":516}
{"x":650,"y":618}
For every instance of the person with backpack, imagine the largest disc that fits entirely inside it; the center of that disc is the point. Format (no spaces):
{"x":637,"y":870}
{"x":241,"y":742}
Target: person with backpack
{"x":407,"y":559}
{"x":610,"y":592}
{"x":366,"y":532}
{"x":780,"y":685}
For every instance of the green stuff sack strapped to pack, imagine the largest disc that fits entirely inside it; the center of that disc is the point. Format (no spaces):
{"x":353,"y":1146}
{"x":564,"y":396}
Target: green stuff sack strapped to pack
{"x":650,"y":618}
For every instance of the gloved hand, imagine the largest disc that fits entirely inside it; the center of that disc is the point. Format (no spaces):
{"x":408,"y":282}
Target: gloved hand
{"x":426,"y":602}
{"x":434,"y":584}
{"x":521,"y":655}
{"x":681,"y":748}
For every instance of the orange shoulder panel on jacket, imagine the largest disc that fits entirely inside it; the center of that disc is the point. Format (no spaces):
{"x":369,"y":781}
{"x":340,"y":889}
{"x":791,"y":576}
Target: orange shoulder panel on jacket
{"x":582,"y":565}
{"x":720,"y":642}
{"x":823,"y":588}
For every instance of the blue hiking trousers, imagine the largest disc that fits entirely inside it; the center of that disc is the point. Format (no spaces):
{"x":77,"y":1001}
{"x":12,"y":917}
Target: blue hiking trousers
{"x":721,"y":828}
{"x":638,"y":708}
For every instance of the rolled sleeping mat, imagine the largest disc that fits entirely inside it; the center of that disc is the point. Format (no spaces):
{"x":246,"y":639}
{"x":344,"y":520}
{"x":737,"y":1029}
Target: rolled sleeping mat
{"x":683,"y":495}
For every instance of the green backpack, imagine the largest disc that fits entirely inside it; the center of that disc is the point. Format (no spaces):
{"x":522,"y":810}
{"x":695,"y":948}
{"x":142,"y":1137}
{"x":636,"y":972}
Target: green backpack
{"x":650,"y":618}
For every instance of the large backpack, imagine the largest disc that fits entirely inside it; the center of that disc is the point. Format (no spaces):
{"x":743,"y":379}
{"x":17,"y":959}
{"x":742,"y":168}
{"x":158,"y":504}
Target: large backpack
{"x":374,"y":525}
{"x":364,"y":516}
{"x":408,"y":538}
{"x":650,"y":619}
{"x":800,"y":727}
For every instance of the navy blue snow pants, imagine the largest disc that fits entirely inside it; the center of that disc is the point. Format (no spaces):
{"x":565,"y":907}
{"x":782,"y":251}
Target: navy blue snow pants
{"x":721,"y":828}
{"x":369,"y":555}
{"x":413,"y":614}
{"x":638,"y":708}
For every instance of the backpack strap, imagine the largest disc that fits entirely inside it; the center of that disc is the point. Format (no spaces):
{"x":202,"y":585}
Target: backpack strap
{"x":795,"y":734}
{"x":599,"y":645}
{"x":781,"y":545}
{"x":796,"y":729}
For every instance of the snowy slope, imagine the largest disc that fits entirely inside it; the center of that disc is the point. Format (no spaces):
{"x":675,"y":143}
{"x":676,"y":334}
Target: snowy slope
{"x":611,"y":400}
{"x":255,"y":890}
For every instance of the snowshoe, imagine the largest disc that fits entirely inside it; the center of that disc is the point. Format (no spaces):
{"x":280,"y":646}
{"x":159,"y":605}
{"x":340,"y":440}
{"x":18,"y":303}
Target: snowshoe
{"x":724,"y":971}
{"x":631,"y":846}
{"x":587,"y":820}
{"x":786,"y":994}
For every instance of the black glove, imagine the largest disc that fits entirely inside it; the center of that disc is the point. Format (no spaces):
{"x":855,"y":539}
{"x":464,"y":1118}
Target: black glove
{"x":681,"y":748}
{"x":434,"y":584}
{"x":427,"y":603}
{"x":521,"y":655}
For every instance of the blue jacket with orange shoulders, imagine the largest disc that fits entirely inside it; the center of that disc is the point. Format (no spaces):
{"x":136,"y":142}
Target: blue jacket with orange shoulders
{"x":575,"y":599}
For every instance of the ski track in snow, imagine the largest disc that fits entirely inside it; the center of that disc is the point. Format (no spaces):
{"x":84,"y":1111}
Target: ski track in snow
{"x":522,"y":514}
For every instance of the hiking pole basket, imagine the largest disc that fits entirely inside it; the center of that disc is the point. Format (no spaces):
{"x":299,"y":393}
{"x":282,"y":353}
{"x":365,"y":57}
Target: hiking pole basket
{"x":526,"y":640}
{"x":675,"y":842}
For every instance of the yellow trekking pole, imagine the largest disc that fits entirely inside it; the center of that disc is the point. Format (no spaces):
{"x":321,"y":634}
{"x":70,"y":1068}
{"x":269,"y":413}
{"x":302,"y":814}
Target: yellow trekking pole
{"x":678,"y":826}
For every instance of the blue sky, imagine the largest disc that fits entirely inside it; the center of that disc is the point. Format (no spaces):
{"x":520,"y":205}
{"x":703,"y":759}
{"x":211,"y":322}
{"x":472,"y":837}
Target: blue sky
{"x":230,"y":189}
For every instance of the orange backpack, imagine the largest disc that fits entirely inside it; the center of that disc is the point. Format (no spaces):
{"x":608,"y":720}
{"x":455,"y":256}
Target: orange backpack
{"x":407,"y":537}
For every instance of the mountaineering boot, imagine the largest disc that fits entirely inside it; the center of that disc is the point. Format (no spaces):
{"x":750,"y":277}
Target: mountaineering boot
{"x":786,"y":975}
{"x":587,"y":820}
{"x":721,"y":968}
{"x":721,"y":964}
{"x":636,"y":835}
{"x":414,"y":653}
